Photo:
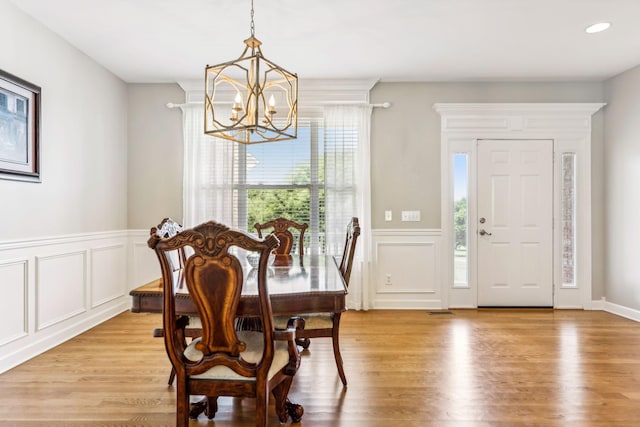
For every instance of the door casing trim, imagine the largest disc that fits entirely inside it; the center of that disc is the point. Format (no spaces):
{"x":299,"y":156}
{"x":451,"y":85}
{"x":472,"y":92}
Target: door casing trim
{"x":569,"y":126}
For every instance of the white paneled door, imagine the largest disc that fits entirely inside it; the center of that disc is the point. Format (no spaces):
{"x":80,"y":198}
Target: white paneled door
{"x":515,"y":217}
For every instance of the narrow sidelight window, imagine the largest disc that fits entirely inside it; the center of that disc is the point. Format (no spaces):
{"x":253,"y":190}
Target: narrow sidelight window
{"x":568,"y":215}
{"x":460,"y":220}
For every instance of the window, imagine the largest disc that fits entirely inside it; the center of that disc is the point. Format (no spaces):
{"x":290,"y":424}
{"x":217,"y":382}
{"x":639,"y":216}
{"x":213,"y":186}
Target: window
{"x":321,"y":178}
{"x":300,"y":179}
{"x":568,"y":208}
{"x":460,"y":220}
{"x":285,"y":179}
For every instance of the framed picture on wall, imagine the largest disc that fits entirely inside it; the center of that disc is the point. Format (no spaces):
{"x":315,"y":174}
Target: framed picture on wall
{"x":19,"y":129}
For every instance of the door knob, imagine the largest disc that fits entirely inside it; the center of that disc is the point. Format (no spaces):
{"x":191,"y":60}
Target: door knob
{"x":482,"y":232}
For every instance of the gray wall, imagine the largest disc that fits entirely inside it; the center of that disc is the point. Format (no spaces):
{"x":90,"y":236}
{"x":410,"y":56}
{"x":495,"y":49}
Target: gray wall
{"x":622,"y":201}
{"x":155,"y":155}
{"x":405,"y":148}
{"x":83,"y":137}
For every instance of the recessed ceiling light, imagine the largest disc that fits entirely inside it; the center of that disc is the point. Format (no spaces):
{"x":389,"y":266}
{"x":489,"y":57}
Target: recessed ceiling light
{"x":596,"y":28}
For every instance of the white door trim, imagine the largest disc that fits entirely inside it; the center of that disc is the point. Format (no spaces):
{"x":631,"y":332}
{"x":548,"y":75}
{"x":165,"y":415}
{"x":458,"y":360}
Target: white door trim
{"x":569,"y":126}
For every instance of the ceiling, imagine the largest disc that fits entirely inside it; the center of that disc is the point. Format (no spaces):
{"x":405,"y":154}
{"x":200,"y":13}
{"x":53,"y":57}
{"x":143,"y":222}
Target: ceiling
{"x":153,"y":41}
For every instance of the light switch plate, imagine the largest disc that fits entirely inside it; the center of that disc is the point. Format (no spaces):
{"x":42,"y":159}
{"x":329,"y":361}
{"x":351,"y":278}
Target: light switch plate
{"x":410,"y":215}
{"x":388,"y":216}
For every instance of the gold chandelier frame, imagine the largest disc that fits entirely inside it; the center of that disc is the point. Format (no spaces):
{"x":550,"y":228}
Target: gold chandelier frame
{"x":251,"y":99}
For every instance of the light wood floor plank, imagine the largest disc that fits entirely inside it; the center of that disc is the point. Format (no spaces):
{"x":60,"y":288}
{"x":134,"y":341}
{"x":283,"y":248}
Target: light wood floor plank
{"x":471,"y":368}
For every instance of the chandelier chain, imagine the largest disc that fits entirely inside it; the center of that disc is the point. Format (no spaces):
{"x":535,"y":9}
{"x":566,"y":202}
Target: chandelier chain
{"x":253,"y":27}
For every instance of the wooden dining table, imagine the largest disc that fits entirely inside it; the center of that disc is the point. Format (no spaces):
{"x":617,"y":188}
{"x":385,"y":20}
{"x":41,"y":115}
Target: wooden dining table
{"x":297,"y":285}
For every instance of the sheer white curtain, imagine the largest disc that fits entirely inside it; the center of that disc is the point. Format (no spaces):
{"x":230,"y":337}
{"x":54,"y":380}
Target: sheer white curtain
{"x":212,"y":175}
{"x":209,"y":173}
{"x":348,"y":190}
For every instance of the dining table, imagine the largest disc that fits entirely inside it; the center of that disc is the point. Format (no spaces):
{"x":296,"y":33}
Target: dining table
{"x":297,"y":285}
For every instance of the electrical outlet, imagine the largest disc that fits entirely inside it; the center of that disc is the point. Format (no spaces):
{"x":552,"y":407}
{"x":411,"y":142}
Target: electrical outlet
{"x":388,"y":280}
{"x":388,"y":215}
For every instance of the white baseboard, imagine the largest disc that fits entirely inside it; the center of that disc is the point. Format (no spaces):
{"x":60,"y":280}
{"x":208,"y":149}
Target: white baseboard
{"x":43,"y":342}
{"x":620,"y":310}
{"x":416,"y":303}
{"x":598,"y":305}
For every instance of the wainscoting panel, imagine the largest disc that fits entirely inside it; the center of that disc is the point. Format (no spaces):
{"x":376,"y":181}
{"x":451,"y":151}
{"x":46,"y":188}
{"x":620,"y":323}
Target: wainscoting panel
{"x":13,"y":280}
{"x":55,"y":288}
{"x":60,"y":287}
{"x":145,"y":265}
{"x":407,"y":269}
{"x":108,"y":274}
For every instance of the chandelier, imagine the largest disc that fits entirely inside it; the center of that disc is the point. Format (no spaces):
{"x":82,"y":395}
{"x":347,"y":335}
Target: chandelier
{"x":251,"y":99}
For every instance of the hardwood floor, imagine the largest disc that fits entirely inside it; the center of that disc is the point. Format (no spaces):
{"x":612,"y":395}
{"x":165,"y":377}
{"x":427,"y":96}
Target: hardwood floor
{"x":480,"y":368}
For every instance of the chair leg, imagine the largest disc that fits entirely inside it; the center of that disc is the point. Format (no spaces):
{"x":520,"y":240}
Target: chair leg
{"x":303,"y":342}
{"x":295,"y":411}
{"x":262,"y":406}
{"x":299,"y":324}
{"x":182,"y":403}
{"x":284,"y":407}
{"x":336,"y":347}
{"x":212,"y":407}
{"x":197,"y":408}
{"x":172,"y":376}
{"x":280,"y":393}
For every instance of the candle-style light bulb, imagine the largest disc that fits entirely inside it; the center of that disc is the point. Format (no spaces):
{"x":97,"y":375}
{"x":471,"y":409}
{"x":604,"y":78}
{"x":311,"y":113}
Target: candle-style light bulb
{"x":272,"y":105}
{"x":237,"y":103}
{"x":237,"y":107}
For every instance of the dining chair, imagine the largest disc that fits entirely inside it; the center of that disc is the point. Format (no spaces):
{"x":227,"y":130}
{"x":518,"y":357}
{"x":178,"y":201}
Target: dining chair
{"x":346,"y":261}
{"x":224,"y":361}
{"x":281,"y":227}
{"x":327,"y":325}
{"x":167,"y":228}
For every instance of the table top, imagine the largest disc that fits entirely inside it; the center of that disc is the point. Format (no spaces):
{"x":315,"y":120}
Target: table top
{"x":313,"y":284}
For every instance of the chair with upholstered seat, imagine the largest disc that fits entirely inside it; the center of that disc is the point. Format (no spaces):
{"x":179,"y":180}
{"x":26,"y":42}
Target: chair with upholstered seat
{"x":224,"y":361}
{"x":328,"y":324}
{"x":282,"y":227}
{"x":167,"y":228}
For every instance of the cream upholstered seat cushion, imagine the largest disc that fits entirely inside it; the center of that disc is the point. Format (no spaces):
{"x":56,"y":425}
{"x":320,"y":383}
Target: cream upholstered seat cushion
{"x":194,"y":322}
{"x":252,"y":354}
{"x":311,"y":321}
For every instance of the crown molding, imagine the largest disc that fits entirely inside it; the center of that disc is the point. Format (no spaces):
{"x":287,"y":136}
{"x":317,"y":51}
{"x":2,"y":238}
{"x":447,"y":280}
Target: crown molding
{"x":517,"y":108}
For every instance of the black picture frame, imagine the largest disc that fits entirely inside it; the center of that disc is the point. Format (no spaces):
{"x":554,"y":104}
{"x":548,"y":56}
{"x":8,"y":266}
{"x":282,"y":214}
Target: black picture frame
{"x":19,"y":129}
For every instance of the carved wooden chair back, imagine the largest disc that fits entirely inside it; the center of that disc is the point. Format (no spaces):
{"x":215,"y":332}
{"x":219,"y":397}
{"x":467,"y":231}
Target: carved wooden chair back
{"x":346,"y":262}
{"x":168,"y":228}
{"x":282,"y":229}
{"x":222,"y":361}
